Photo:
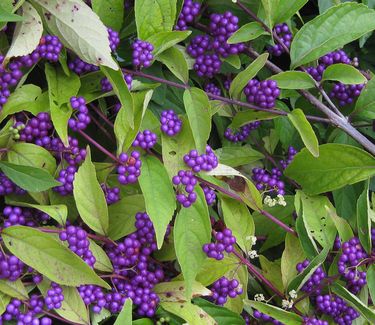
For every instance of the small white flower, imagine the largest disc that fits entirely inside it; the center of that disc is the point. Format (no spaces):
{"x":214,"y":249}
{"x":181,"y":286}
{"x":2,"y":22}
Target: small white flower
{"x":253,"y":239}
{"x":259,"y":297}
{"x":287,"y":304}
{"x":269,"y":201}
{"x":281,"y":200}
{"x":253,"y":254}
{"x":293,"y":294}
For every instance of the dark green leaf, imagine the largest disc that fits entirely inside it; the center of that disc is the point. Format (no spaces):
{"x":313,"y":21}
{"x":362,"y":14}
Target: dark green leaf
{"x":365,"y":105}
{"x":287,"y":8}
{"x":110,"y":12}
{"x":342,"y":226}
{"x":175,"y":61}
{"x":164,"y":40}
{"x":272,"y":272}
{"x":247,"y":33}
{"x":344,"y":73}
{"x":245,"y":117}
{"x":293,"y":80}
{"x":364,"y":219}
{"x":270,"y":8}
{"x":237,"y":156}
{"x":371,"y":281}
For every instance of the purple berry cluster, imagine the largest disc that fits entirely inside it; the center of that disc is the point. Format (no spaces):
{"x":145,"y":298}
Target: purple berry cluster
{"x":352,"y":254}
{"x":262,"y":93}
{"x":209,"y":194}
{"x":107,"y":86}
{"x":54,"y":296}
{"x":265,"y":318}
{"x":145,"y":140}
{"x":211,"y":88}
{"x":346,"y":94}
{"x":11,"y":268}
{"x":142,"y":54}
{"x":22,"y":216}
{"x":37,"y":129}
{"x":242,"y":133}
{"x":207,"y":65}
{"x":114,"y":39}
{"x":81,"y":67}
{"x":170,"y":124}
{"x":314,"y":321}
{"x":268,"y":181}
{"x":224,"y":242}
{"x":7,"y":187}
{"x":112,"y":195}
{"x":284,"y":33}
{"x":186,"y":179}
{"x":49,"y":48}
{"x":66,"y":178}
{"x":206,"y":162}
{"x":129,"y":167}
{"x":94,"y":296}
{"x":189,"y":11}
{"x":291,"y":153}
{"x":78,"y":243}
{"x":311,"y":285}
{"x":199,"y":45}
{"x":224,"y":288}
{"x":82,"y":118}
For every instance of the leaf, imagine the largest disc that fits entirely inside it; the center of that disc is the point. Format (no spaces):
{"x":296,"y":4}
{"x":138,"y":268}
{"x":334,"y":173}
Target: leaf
{"x":29,"y":154}
{"x":365,"y":104}
{"x":125,"y":316}
{"x":344,"y":73}
{"x":197,"y":109}
{"x":14,"y":289}
{"x":270,"y":9}
{"x":237,"y":217}
{"x":371,"y":281}
{"x":337,"y":165}
{"x":60,"y":89}
{"x":221,"y":315}
{"x":342,"y":226}
{"x":330,"y":31}
{"x":293,"y":80}
{"x":8,"y":16}
{"x":159,"y":195}
{"x":102,"y":262}
{"x":164,"y":40}
{"x":27,"y":34}
{"x":237,"y":156}
{"x":79,"y":29}
{"x":4,"y":300}
{"x":31,"y":179}
{"x":174,"y":291}
{"x":275,"y":312}
{"x":287,"y":8}
{"x":305,"y":130}
{"x":272,"y":271}
{"x":364,"y":219}
{"x":247,"y":33}
{"x":49,"y":257}
{"x":234,"y":61}
{"x":353,"y":301}
{"x":89,"y":197}
{"x":22,"y":99}
{"x":162,"y":18}
{"x":110,"y":12}
{"x":175,"y":61}
{"x":192,"y":314}
{"x":122,"y":215}
{"x":191,"y":231}
{"x":244,"y":117}
{"x":241,"y":80}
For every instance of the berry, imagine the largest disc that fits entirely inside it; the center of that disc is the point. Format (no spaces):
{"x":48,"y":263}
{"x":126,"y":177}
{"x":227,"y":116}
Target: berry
{"x":199,"y":45}
{"x":94,"y":296}
{"x":186,"y":178}
{"x":170,"y":123}
{"x":224,"y":288}
{"x":66,"y":178}
{"x":49,"y":48}
{"x":283,"y":32}
{"x":189,"y":12}
{"x":212,"y":89}
{"x":145,"y":139}
{"x":82,"y":119}
{"x":11,"y":268}
{"x":265,"y":318}
{"x":54,"y":296}
{"x":18,"y":216}
{"x":112,"y":195}
{"x":242,"y":134}
{"x":37,"y":130}
{"x":7,"y":187}
{"x":142,"y":54}
{"x":262,"y":93}
{"x":209,"y":194}
{"x":346,"y":94}
{"x":107,"y":86}
{"x":205,"y":162}
{"x":268,"y":181}
{"x":224,"y":241}
{"x":129,"y":168}
{"x":114,"y":39}
{"x":81,"y":67}
{"x":315,"y":279}
{"x":291,"y":153}
{"x":207,"y":65}
{"x":314,"y":321}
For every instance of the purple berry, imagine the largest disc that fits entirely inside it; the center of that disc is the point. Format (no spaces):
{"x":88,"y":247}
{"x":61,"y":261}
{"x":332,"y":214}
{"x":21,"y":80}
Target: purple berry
{"x":170,"y":124}
{"x":283,"y":32}
{"x":205,"y":162}
{"x":129,"y":168}
{"x":262,"y":93}
{"x":145,"y":140}
{"x":189,"y":12}
{"x":82,"y":118}
{"x":224,"y":288}
{"x":142,"y":54}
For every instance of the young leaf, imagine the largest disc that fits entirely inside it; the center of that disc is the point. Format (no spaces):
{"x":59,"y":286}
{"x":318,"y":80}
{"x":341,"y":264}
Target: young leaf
{"x":31,"y":179}
{"x":337,"y":165}
{"x":27,"y":34}
{"x":162,"y":18}
{"x":364,"y":219}
{"x":73,"y":21}
{"x":122,"y":215}
{"x":305,"y":130}
{"x":330,"y":31}
{"x":247,"y":33}
{"x":197,"y":109}
{"x":164,"y":40}
{"x":237,"y":156}
{"x":125,"y":316}
{"x":365,"y":105}
{"x":293,"y":80}
{"x":159,"y":195}
{"x":191,"y":231}
{"x":110,"y":12}
{"x":15,"y":289}
{"x":89,"y":197}
{"x":174,"y":291}
{"x":40,"y":251}
{"x":344,"y":73}
{"x":241,"y":80}
{"x":175,"y":61}
{"x":287,"y":8}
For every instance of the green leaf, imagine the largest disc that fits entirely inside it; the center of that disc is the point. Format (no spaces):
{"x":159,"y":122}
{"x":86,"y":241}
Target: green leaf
{"x":337,"y":165}
{"x":192,"y":314}
{"x":234,"y":61}
{"x":244,"y":117}
{"x":122,"y":215}
{"x":197,"y":109}
{"x":364,"y":219}
{"x":31,"y":179}
{"x":191,"y":231}
{"x":247,"y":33}
{"x":353,"y":301}
{"x":73,"y":22}
{"x":90,"y":198}
{"x":287,"y":8}
{"x":330,"y":31}
{"x":110,"y":12}
{"x":365,"y":104}
{"x":29,"y":154}
{"x":41,"y":251}
{"x":272,"y":271}
{"x":175,"y":61}
{"x":159,"y":195}
{"x":164,"y":40}
{"x":162,"y":18}
{"x":14,"y":289}
{"x":344,"y":73}
{"x":125,"y":316}
{"x":27,"y":34}
{"x":270,"y":9}
{"x":241,"y":80}
{"x":60,"y":89}
{"x":275,"y":312}
{"x":342,"y":226}
{"x":174,"y":291}
{"x":4,"y":300}
{"x":221,"y":315}
{"x":102,"y":262}
{"x":293,"y":80}
{"x":237,"y":217}
{"x":305,"y":130}
{"x":237,"y":156}
{"x":22,"y":99}
{"x":371,"y":281}
{"x":8,"y":16}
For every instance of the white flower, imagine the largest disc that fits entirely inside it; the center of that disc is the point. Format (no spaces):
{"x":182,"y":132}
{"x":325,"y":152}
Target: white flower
{"x":253,"y":239}
{"x":293,"y":294}
{"x":253,"y":254}
{"x":287,"y":304}
{"x":259,"y":297}
{"x":281,"y":200}
{"x":269,"y":201}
